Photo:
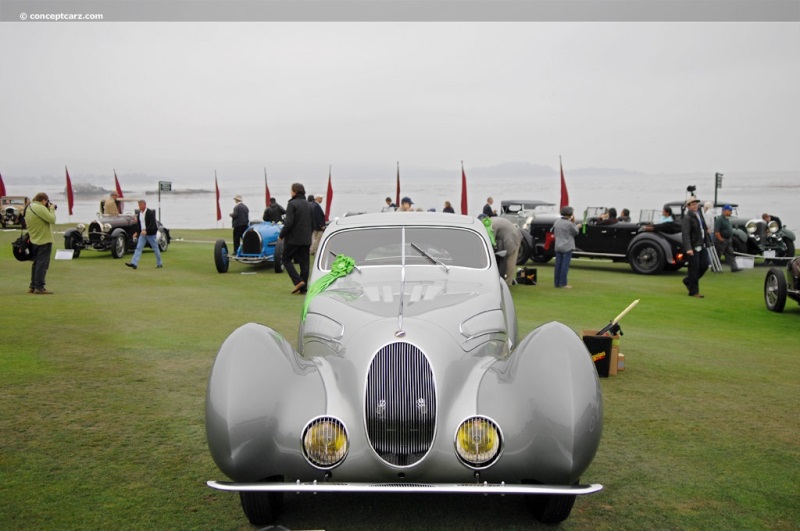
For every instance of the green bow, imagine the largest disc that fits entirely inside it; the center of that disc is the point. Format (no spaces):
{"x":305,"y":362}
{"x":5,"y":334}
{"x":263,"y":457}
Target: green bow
{"x":341,"y":267}
{"x":487,"y":222}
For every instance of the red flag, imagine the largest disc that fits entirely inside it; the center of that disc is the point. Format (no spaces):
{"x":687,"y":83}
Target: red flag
{"x":266,"y":188}
{"x":463,"y":190}
{"x":2,"y":187}
{"x":70,"y":197}
{"x":564,"y":193}
{"x":219,"y":211}
{"x":328,"y":196}
{"x":120,"y":202}
{"x":116,"y":184}
{"x":397,"y":200}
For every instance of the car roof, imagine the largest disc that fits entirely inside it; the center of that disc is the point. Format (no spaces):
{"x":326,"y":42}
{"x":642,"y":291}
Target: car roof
{"x":525,"y":202}
{"x":407,"y":218}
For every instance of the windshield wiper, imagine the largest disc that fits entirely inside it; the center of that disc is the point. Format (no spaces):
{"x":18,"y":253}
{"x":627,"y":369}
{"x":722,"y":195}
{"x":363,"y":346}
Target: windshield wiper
{"x":429,"y":257}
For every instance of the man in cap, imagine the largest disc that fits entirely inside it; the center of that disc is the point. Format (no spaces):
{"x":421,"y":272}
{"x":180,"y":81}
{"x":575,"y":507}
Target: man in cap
{"x":405,"y":205}
{"x":111,"y":205}
{"x":694,"y":234}
{"x":723,"y":234}
{"x":240,"y":220}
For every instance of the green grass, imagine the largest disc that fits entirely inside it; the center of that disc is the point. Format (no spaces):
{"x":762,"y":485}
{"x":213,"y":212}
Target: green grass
{"x":102,"y":392}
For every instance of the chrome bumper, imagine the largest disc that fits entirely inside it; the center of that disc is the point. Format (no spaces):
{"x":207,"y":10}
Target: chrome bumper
{"x":451,"y":488}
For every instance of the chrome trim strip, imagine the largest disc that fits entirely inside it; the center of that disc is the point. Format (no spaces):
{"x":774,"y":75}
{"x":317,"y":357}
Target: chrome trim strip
{"x":461,"y":488}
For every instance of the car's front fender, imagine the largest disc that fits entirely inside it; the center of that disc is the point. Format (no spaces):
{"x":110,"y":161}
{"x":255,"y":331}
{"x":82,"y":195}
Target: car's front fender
{"x":257,"y":382}
{"x":547,"y":400}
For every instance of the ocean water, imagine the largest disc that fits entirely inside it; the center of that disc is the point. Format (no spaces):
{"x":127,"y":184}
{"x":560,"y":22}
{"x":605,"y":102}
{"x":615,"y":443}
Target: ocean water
{"x":755,"y":193}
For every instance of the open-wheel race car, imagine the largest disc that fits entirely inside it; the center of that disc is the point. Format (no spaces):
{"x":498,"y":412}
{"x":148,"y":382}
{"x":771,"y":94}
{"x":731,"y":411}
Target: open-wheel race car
{"x":780,"y":285}
{"x":11,"y":209}
{"x":260,"y":244}
{"x":111,"y":233}
{"x":408,"y":377}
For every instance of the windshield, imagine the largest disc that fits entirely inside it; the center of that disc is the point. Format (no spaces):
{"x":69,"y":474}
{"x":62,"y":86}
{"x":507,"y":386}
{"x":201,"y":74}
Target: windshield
{"x":391,"y":245}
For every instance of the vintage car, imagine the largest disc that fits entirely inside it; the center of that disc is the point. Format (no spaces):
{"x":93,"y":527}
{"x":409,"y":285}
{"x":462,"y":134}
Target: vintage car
{"x":260,"y":244}
{"x":111,"y":233}
{"x":408,"y":377}
{"x":521,"y":212}
{"x":648,"y":248}
{"x":752,"y":236}
{"x":778,"y":285}
{"x":11,"y":209}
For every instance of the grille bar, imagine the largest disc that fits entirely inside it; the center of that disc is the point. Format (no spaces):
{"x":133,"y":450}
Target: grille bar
{"x":400,"y":405}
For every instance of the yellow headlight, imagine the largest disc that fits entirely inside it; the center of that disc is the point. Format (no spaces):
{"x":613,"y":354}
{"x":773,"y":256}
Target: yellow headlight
{"x":478,"y":441}
{"x":325,"y":442}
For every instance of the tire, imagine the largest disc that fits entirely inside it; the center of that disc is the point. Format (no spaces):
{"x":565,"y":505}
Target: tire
{"x":775,"y":290}
{"x":646,"y":257}
{"x":789,"y":247}
{"x":278,"y":257}
{"x":119,"y":245}
{"x":524,"y":253}
{"x":262,"y":508}
{"x":221,"y":259}
{"x":162,"y":238}
{"x":551,"y":508}
{"x":72,"y":241}
{"x":539,"y":256}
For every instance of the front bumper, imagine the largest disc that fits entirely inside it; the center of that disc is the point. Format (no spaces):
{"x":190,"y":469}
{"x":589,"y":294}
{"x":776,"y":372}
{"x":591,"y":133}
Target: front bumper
{"x":448,"y":488}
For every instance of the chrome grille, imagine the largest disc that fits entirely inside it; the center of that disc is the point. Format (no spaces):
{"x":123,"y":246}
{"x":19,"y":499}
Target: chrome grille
{"x":95,"y":232}
{"x":251,"y":242}
{"x":400,"y":405}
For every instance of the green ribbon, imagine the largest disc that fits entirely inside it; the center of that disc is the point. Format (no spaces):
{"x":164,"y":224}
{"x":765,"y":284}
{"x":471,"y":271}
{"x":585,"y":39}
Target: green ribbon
{"x":487,"y":222}
{"x":341,"y":267}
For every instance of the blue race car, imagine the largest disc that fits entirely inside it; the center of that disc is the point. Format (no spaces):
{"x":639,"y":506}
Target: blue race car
{"x":260,"y":244}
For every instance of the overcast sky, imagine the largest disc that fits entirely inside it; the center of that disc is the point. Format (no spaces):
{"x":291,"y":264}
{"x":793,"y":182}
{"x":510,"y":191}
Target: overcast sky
{"x":179,"y":99}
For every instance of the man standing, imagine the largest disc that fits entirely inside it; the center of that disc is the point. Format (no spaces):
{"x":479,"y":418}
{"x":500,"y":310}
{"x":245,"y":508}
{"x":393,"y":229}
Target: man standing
{"x":147,"y":233}
{"x":694,"y":231}
{"x":296,"y":236}
{"x":564,"y":230}
{"x":240,"y":221}
{"x":274,"y":212}
{"x":317,"y":222}
{"x":40,"y":216}
{"x":723,"y":233}
{"x":508,"y":238}
{"x":487,"y":208}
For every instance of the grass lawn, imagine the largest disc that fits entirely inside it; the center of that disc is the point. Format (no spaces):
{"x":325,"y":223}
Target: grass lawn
{"x":102,"y":390}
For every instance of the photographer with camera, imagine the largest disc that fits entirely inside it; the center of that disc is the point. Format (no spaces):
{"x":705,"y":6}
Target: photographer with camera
{"x":40,"y":216}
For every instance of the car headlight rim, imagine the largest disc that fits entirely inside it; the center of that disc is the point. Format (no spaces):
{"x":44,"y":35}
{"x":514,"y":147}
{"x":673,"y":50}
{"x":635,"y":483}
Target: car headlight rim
{"x":478,"y":442}
{"x":325,"y":442}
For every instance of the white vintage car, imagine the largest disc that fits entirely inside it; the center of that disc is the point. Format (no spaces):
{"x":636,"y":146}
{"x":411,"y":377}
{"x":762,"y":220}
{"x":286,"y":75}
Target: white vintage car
{"x":408,"y":377}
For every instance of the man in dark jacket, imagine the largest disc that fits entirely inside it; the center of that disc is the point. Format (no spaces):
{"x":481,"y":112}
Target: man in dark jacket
{"x":723,"y":237}
{"x":694,"y":231}
{"x":317,"y":221}
{"x":274,"y":212}
{"x":296,"y":236}
{"x":240,"y":220}
{"x":147,"y":231}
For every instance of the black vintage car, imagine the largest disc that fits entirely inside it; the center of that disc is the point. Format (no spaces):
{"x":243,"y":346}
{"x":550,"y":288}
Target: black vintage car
{"x":110,"y":233}
{"x":522,"y":212}
{"x":780,"y":285}
{"x":649,"y":248}
{"x":752,"y":236}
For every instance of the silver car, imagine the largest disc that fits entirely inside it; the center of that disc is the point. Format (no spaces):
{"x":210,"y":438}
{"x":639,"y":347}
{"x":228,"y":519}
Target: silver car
{"x":408,"y":377}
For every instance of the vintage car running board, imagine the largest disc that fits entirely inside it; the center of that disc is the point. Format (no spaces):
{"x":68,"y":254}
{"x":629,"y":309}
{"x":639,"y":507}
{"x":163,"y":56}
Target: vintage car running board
{"x":475,"y":488}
